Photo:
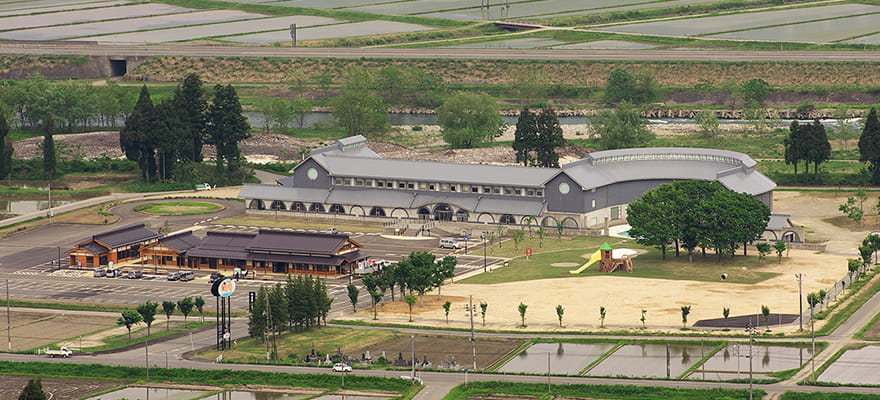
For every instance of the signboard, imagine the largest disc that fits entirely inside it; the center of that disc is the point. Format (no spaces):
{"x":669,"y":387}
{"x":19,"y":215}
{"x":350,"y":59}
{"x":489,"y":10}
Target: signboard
{"x":223,"y":288}
{"x":529,"y":251}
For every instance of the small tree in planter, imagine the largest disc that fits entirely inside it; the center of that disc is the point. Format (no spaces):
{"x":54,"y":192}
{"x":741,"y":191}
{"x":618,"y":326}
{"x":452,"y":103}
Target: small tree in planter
{"x":601,"y":317}
{"x":446,"y":307}
{"x":522,"y":313}
{"x":559,"y":312}
{"x":685,"y":310}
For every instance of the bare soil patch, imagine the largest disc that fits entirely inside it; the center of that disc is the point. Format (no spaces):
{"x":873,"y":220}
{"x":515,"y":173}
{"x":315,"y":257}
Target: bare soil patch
{"x":450,"y":348}
{"x":32,"y":329}
{"x":57,"y":388}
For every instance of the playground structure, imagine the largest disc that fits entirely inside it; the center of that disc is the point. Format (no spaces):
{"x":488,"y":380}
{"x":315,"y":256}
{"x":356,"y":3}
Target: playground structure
{"x":610,"y":260}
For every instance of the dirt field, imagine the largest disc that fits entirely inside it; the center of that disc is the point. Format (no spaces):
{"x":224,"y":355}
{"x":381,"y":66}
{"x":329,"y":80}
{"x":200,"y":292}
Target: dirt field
{"x":56,"y":388}
{"x":38,"y":329}
{"x":624,"y":297}
{"x":449,"y":348}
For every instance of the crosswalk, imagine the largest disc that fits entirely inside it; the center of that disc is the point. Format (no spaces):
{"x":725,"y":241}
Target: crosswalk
{"x":42,"y":269}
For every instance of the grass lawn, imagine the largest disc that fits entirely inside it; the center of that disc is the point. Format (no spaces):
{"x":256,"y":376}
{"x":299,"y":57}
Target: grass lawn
{"x":139,"y":333}
{"x":648,"y":265}
{"x":550,"y":243}
{"x":293,"y":347}
{"x":178,"y":208}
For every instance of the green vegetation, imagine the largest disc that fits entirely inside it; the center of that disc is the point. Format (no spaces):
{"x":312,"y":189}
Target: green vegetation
{"x":858,"y":294}
{"x":140,"y":336}
{"x":178,"y":208}
{"x":828,"y":396}
{"x":293,"y":347}
{"x":206,"y":377}
{"x":539,"y":390}
{"x":646,"y":265}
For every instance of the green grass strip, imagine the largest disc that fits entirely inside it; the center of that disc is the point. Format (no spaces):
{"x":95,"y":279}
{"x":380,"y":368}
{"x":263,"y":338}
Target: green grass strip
{"x":540,"y":391}
{"x":206,"y":377}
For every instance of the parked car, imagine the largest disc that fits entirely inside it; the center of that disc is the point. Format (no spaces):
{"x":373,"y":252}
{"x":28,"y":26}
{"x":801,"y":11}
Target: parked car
{"x":135,"y":274}
{"x":114,"y":273}
{"x":447,"y":243}
{"x":174,"y":276}
{"x":100,"y":273}
{"x":332,"y":230}
{"x":341,"y":367}
{"x":187,"y":276}
{"x":216,"y":276}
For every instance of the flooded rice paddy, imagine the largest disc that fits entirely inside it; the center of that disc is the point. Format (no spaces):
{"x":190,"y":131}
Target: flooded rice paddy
{"x":564,"y":358}
{"x":855,"y":366}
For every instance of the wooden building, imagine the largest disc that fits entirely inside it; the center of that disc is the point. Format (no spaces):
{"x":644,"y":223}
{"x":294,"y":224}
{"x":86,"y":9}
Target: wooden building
{"x":113,"y":246}
{"x":278,"y":251}
{"x":170,"y":250}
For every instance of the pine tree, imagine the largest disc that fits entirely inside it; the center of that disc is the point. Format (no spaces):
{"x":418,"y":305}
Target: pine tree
{"x":33,"y":391}
{"x":49,"y":156}
{"x":6,"y":148}
{"x":134,"y":138}
{"x":818,"y":148}
{"x":794,"y":146}
{"x":869,"y":145}
{"x":549,"y":138}
{"x":227,"y":126}
{"x":525,"y":136}
{"x":189,"y":102}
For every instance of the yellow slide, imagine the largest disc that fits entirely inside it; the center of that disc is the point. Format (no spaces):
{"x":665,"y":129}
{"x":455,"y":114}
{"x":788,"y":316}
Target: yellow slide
{"x":595,"y":257}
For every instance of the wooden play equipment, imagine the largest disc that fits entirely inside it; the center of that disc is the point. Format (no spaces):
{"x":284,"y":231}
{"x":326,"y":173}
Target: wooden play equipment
{"x":610,"y":264}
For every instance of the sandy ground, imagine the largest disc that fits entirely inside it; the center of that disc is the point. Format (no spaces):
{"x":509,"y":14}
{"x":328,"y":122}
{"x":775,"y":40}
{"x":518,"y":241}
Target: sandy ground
{"x":624,"y":297}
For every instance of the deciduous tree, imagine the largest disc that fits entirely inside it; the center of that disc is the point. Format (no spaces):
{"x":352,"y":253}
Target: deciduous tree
{"x":6,"y":148}
{"x":129,"y":318}
{"x":467,"y":119}
{"x":168,"y":308}
{"x":620,"y":128}
{"x":185,"y":305}
{"x":410,"y":301}
{"x":33,"y":390}
{"x":353,"y":293}
{"x":147,"y":311}
{"x":522,"y":313}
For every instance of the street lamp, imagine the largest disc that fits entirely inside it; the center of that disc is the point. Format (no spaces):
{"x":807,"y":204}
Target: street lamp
{"x":751,"y":330}
{"x":412,"y":348}
{"x":483,"y":236}
{"x":800,"y":279}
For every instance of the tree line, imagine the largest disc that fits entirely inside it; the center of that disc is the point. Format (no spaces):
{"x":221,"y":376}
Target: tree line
{"x":166,"y":139}
{"x":692,"y":214}
{"x":76,"y":105}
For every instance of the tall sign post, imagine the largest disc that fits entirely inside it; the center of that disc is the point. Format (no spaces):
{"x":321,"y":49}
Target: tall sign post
{"x":222,"y":290}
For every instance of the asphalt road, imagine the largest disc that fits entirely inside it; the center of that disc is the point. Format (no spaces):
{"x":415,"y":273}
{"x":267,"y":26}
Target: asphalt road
{"x":190,"y":50}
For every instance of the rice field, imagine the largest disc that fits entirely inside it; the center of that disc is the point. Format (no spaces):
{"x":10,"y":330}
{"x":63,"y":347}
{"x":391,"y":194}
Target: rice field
{"x":71,"y":17}
{"x":869,"y":39}
{"x":741,"y":21}
{"x":26,"y":11}
{"x":817,"y":32}
{"x":19,"y":5}
{"x":424,"y":6}
{"x":605,"y":45}
{"x":128,"y":25}
{"x":221,"y":29}
{"x":331,"y":32}
{"x":328,"y":3}
{"x":553,"y":8}
{"x":524,"y":43}
{"x":641,"y":6}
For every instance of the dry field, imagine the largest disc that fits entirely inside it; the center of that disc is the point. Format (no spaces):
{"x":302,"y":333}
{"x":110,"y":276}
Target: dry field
{"x":31,"y":329}
{"x":680,"y":74}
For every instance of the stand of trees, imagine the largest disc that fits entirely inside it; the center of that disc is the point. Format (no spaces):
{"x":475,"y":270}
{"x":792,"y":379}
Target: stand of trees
{"x":298,"y":304}
{"x":418,"y":273}
{"x":166,"y":140}
{"x":536,"y":138}
{"x":76,"y":105}
{"x":467,"y":119}
{"x":869,"y":145}
{"x":807,"y":143}
{"x":691,"y":214}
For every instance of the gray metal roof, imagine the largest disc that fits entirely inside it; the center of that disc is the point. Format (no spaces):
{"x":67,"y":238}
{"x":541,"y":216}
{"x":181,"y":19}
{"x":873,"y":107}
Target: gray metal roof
{"x":511,"y":206}
{"x":297,"y":242}
{"x":733,"y":170}
{"x":126,"y":235}
{"x":278,"y":192}
{"x":373,"y":197}
{"x":223,"y":245}
{"x":285,"y":181}
{"x":779,"y":221}
{"x":462,"y":200}
{"x":432,"y":171}
{"x":182,"y":241}
{"x":94,"y":247}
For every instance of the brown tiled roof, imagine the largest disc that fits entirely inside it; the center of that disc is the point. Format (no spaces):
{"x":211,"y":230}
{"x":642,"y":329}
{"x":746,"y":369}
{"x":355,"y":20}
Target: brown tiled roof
{"x":182,"y":241}
{"x":222,"y":245}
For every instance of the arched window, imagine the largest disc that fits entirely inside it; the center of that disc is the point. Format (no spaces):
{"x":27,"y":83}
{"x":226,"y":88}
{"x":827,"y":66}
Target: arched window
{"x":337,"y":209}
{"x":461,"y":215}
{"x":443,"y":212}
{"x":377,"y":212}
{"x":507,"y":219}
{"x":257,"y":205}
{"x":298,"y":206}
{"x":424,"y":213}
{"x":316,"y":207}
{"x":278,"y":205}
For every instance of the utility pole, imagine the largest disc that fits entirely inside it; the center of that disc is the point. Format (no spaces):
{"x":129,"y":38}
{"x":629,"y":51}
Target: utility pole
{"x":471,"y":312}
{"x":8,"y":318}
{"x":751,"y":330}
{"x":483,"y":236}
{"x":800,"y":279}
{"x":813,"y":344}
{"x":412,"y":348}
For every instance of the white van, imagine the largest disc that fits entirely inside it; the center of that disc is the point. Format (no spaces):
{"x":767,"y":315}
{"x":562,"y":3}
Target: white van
{"x":449,"y":244}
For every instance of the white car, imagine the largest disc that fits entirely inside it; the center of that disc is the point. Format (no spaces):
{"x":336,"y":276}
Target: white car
{"x":341,"y":367}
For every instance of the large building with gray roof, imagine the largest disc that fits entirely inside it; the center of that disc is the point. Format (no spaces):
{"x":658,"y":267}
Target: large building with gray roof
{"x":349,"y":178}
